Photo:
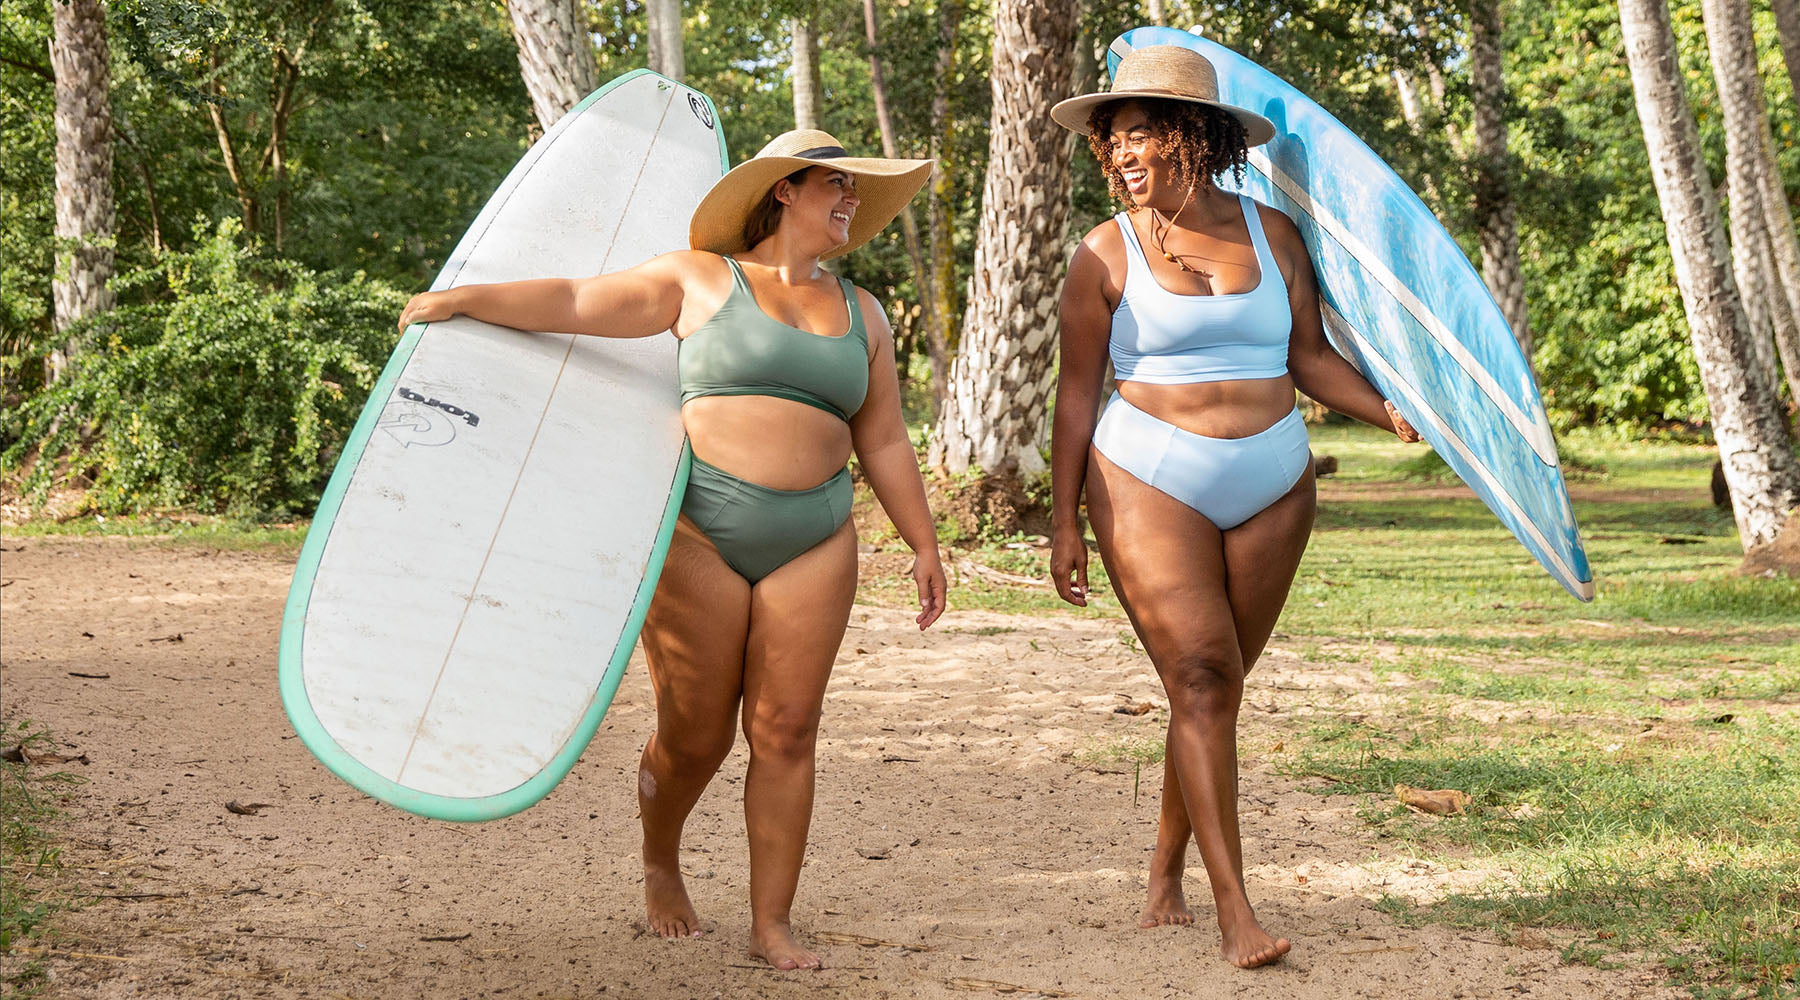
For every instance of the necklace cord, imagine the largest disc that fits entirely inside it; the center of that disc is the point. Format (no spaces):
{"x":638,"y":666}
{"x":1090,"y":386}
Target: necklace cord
{"x":1159,"y":237}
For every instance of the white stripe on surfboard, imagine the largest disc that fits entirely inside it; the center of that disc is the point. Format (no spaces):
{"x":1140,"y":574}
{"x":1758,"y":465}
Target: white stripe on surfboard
{"x":475,"y":587}
{"x":1535,"y":432}
{"x":1341,"y":326}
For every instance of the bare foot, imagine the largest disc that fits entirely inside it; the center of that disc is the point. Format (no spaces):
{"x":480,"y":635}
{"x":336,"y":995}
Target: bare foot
{"x":666,"y":900}
{"x":1167,"y":906}
{"x":775,"y":945}
{"x":1246,"y":945}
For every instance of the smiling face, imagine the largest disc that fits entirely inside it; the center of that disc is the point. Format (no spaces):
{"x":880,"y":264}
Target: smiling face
{"x":1152,"y":151}
{"x":823,"y":198}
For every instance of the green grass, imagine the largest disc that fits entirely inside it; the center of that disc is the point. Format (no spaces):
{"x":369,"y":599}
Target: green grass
{"x":1685,"y":846}
{"x":30,"y":859}
{"x":199,"y":530}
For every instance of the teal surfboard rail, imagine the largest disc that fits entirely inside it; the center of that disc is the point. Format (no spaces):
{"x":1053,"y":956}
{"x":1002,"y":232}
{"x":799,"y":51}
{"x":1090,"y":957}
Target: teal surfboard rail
{"x":306,"y":723}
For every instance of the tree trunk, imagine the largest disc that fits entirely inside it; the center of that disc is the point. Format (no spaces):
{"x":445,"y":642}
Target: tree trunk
{"x":1760,"y":467}
{"x":937,"y":212}
{"x":556,"y":56}
{"x":1733,"y":52}
{"x":1784,"y":251}
{"x":806,"y":73}
{"x":666,"y":55}
{"x":1155,"y":11}
{"x":84,"y":155}
{"x":1000,"y":381}
{"x":1493,"y":186}
{"x":1787,"y":28}
{"x":890,"y":148}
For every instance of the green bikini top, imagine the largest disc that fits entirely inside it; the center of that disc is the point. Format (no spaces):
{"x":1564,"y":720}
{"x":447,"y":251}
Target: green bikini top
{"x":743,"y":351}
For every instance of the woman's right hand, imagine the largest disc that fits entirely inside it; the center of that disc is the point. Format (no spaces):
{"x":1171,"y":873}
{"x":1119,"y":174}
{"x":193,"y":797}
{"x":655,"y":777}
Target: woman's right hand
{"x":427,"y":307}
{"x":1068,"y":564}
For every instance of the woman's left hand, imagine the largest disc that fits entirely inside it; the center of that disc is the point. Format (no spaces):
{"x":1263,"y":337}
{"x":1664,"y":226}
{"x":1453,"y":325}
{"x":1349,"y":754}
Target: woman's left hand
{"x":928,"y":573}
{"x":1401,"y":427}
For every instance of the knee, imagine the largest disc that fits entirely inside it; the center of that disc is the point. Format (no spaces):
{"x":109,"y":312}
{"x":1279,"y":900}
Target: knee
{"x":782,"y":734}
{"x":1203,"y":680}
{"x":694,"y":749}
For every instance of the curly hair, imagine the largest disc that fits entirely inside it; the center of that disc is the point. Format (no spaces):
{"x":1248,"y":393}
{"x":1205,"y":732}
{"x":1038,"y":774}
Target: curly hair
{"x":1200,"y":142}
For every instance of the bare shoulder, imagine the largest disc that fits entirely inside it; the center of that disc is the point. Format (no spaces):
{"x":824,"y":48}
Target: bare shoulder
{"x":1285,"y":241}
{"x":875,"y":321}
{"x":1105,"y":241}
{"x":1279,"y":228}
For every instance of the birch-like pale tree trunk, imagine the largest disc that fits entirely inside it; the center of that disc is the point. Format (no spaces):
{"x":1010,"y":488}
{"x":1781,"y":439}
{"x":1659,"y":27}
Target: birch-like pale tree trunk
{"x":1156,"y":12}
{"x":994,"y":418}
{"x":890,"y":146}
{"x":1733,"y":52}
{"x":666,"y":54}
{"x":938,"y":195}
{"x":805,"y":73}
{"x":1760,"y":468}
{"x":556,"y":56}
{"x":1784,"y":252}
{"x":85,"y":213}
{"x":1493,"y":176}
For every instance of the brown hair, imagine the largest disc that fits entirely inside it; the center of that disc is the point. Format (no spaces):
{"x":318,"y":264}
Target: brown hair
{"x":760,"y":224}
{"x":1199,"y":142}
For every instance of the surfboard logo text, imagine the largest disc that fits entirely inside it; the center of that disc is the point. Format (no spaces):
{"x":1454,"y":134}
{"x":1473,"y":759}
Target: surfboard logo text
{"x":451,"y":408}
{"x":698,"y":106}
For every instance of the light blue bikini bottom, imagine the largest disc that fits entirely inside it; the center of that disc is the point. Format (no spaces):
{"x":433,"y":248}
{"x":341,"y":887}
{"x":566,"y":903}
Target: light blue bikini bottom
{"x":1228,"y":480}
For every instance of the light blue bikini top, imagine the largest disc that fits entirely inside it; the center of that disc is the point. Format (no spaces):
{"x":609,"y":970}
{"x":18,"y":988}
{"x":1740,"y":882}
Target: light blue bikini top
{"x":1162,"y":337}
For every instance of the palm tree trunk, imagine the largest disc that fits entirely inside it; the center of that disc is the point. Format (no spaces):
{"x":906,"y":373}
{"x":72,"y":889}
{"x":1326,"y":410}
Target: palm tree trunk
{"x":1760,"y":468}
{"x":85,"y":214}
{"x":806,"y":73}
{"x":1000,"y":382}
{"x":666,"y":54}
{"x":556,"y":56}
{"x":1493,"y":188}
{"x":1787,"y":29}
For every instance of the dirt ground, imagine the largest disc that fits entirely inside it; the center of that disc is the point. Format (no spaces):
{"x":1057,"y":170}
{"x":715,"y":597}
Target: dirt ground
{"x":960,"y":848}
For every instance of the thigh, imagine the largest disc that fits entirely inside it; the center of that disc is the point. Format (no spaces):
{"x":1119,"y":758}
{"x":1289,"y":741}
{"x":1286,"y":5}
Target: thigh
{"x":1166,"y":562}
{"x":797,"y":618}
{"x":1261,"y":556}
{"x":694,"y":635}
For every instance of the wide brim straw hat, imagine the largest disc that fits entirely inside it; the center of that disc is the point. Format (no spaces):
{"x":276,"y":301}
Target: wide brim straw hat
{"x":1163,"y":72}
{"x":884,"y":187}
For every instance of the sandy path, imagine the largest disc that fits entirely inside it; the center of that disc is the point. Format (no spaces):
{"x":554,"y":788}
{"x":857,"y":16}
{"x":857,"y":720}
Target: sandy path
{"x":958,"y":849}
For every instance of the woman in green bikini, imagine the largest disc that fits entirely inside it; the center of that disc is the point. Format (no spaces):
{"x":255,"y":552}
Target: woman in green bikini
{"x":785,"y":370}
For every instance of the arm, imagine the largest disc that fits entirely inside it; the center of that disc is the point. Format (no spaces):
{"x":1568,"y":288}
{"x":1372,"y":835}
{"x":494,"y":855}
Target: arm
{"x":878,"y":432}
{"x":1086,"y":321}
{"x":1319,"y":370}
{"x":638,"y":302}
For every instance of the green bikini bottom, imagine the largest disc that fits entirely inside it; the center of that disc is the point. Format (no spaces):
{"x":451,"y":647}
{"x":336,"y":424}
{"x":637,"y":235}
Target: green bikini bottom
{"x":757,"y":528}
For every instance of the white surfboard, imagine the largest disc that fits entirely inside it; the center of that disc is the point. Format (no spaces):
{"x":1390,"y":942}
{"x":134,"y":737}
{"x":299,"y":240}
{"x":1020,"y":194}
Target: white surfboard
{"x":481,"y":562}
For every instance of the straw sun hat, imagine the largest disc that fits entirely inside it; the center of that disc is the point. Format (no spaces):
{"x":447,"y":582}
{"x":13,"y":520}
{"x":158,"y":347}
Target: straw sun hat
{"x":1165,"y":72}
{"x":885,"y":186}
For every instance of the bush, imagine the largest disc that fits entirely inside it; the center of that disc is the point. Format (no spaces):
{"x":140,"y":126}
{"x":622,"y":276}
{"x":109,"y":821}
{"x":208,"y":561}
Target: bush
{"x":226,"y":383}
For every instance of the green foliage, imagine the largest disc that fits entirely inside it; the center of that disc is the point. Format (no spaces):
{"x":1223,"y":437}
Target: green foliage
{"x":27,"y":178}
{"x":230,"y":387}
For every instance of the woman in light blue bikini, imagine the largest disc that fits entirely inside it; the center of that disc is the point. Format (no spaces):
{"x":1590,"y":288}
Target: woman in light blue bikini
{"x":785,"y":369}
{"x":1198,"y":477}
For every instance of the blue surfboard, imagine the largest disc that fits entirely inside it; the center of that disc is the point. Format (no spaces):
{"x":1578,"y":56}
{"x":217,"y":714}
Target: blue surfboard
{"x":1404,"y":305}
